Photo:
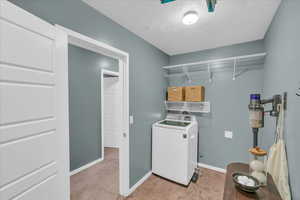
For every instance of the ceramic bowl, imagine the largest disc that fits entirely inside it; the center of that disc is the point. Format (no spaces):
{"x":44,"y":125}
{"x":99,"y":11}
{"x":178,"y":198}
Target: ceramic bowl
{"x":243,"y":187}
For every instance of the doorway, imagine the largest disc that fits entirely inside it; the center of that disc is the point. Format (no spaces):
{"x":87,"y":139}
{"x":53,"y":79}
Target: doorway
{"x":94,"y":110}
{"x":122,"y":73}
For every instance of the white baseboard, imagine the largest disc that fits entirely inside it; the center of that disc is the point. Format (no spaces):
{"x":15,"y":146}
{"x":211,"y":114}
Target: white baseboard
{"x":212,"y":167}
{"x":86,"y":166}
{"x":140,"y":182}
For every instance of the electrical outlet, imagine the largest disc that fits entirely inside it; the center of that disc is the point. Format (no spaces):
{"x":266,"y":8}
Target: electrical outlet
{"x":228,"y":134}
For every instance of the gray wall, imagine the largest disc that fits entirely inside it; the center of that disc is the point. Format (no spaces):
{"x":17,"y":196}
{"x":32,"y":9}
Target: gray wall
{"x":282,"y":73}
{"x":147,"y":85}
{"x":85,"y":104}
{"x":229,"y":101}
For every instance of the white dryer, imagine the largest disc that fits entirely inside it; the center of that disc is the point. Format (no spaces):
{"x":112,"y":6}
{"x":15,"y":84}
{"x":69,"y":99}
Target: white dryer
{"x":174,"y":147}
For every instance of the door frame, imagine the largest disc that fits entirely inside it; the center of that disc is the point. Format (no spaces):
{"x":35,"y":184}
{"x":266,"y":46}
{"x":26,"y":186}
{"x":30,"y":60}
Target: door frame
{"x":112,"y":74}
{"x":88,"y":43}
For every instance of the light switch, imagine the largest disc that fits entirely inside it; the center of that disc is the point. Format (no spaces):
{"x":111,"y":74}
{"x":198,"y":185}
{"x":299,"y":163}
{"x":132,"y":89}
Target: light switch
{"x":130,"y":119}
{"x":228,"y":134}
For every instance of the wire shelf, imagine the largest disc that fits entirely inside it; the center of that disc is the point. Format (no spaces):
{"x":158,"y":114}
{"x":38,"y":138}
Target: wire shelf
{"x":236,"y":65}
{"x":184,"y":106}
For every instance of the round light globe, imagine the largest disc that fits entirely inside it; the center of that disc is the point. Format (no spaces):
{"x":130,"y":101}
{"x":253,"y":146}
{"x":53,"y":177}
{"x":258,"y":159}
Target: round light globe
{"x":190,"y":18}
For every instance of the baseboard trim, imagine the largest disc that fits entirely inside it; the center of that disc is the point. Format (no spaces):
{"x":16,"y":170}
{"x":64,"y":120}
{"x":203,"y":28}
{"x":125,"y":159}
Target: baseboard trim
{"x":140,"y":182}
{"x":76,"y":171}
{"x":218,"y":169}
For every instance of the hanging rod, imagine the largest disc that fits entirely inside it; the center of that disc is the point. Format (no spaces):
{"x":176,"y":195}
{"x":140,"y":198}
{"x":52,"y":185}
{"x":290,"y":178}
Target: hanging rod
{"x":211,"y":70}
{"x":215,"y":61}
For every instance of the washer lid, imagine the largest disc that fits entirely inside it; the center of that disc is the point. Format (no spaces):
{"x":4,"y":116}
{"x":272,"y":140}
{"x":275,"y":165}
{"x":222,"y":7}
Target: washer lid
{"x":181,"y":117}
{"x":175,"y":123}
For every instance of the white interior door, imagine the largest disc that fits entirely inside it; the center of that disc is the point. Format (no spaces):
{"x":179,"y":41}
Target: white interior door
{"x":112,"y":122}
{"x":34,"y":148}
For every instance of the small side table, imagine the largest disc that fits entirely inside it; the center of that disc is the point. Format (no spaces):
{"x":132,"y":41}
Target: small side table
{"x":268,"y":192}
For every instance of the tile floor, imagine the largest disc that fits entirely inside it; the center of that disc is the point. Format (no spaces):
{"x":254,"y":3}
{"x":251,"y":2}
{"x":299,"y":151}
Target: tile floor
{"x":100,"y":182}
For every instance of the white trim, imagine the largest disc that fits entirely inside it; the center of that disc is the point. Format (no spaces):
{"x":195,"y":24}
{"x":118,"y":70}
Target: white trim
{"x":139,"y":183}
{"x":84,"y":167}
{"x":85,"y":42}
{"x":109,"y":73}
{"x":218,"y":169}
{"x":102,"y":115}
{"x":91,"y":44}
{"x":61,"y":60}
{"x":124,"y":166}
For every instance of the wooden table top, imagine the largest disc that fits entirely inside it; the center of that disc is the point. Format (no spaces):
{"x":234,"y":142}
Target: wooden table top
{"x":268,"y":192}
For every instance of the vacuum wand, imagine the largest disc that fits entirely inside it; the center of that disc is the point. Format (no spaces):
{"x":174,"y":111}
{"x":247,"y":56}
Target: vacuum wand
{"x":255,"y":137}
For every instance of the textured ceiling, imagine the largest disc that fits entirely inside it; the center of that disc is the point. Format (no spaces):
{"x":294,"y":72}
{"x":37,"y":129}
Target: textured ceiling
{"x":234,"y":21}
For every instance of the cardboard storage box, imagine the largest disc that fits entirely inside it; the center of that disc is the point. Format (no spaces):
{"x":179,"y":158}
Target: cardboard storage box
{"x":194,"y":93}
{"x":175,"y":93}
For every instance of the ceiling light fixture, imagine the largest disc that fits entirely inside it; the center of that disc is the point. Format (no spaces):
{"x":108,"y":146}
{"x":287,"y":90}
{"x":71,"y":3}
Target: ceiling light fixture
{"x":190,"y":17}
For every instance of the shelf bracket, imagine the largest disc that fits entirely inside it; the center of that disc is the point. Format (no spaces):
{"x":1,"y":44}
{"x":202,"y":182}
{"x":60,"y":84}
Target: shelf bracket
{"x":234,"y":70}
{"x":185,"y":70}
{"x":209,"y":73}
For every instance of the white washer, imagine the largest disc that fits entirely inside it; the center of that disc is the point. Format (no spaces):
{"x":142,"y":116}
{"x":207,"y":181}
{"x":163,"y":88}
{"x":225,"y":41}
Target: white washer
{"x":174,"y":147}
